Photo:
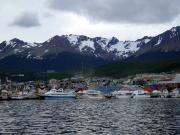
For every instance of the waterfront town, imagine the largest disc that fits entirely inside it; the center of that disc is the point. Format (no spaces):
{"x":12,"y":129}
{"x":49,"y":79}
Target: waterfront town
{"x":139,"y":86}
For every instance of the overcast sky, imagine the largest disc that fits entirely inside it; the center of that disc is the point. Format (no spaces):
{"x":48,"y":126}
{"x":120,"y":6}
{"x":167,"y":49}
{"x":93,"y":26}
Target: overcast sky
{"x":38,"y":20}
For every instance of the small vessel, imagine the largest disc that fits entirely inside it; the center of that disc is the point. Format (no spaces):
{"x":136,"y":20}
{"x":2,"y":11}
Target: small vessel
{"x":156,"y":94}
{"x":107,"y":91}
{"x":93,"y":94}
{"x":165,"y":94}
{"x":4,"y":94}
{"x":140,"y":94}
{"x":59,"y":94}
{"x":19,"y":97}
{"x":175,"y":93}
{"x":122,"y":94}
{"x":109,"y":95}
{"x":81,"y":94}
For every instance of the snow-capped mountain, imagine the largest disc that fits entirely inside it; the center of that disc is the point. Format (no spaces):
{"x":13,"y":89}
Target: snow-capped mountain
{"x":108,"y":49}
{"x":72,"y":50}
{"x":168,"y":41}
{"x":15,"y":46}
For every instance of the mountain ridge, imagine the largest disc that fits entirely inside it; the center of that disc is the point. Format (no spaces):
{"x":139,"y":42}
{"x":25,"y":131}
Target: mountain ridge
{"x":98,"y":46}
{"x":84,"y":49}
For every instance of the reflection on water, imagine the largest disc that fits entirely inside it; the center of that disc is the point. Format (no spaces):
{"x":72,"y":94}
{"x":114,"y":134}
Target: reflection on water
{"x":117,"y":116}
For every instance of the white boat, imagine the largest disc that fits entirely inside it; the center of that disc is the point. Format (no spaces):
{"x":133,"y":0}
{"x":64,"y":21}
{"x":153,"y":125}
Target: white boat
{"x":156,"y":94}
{"x":4,"y":94}
{"x":19,"y":97}
{"x":175,"y":93}
{"x":93,"y":94}
{"x":81,"y":94}
{"x":165,"y":94}
{"x":59,"y":94}
{"x":24,"y":95}
{"x":140,"y":94}
{"x":122,"y":94}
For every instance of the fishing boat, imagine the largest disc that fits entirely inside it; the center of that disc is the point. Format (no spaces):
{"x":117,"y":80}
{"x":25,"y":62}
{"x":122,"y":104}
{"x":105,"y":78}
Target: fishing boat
{"x":4,"y":94}
{"x":93,"y":94}
{"x":81,"y":94}
{"x":18,"y":97}
{"x":59,"y":94}
{"x":107,"y":91}
{"x":175,"y":93}
{"x":156,"y":94}
{"x":122,"y":93}
{"x":140,"y":94}
{"x":109,"y":95}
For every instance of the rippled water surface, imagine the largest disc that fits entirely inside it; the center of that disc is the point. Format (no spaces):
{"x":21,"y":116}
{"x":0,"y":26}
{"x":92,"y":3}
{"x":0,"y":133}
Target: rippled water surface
{"x":108,"y":117}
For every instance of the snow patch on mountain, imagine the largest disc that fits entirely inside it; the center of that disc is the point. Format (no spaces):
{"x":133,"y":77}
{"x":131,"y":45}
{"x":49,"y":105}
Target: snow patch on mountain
{"x":111,"y":45}
{"x":46,"y":51}
{"x":49,"y":40}
{"x":73,"y":39}
{"x":31,"y":44}
{"x":173,"y":29}
{"x":174,"y":32}
{"x":87,"y":43}
{"x":28,"y":56}
{"x":126,"y":47}
{"x":146,"y":40}
{"x":159,"y":41}
{"x":103,"y":42}
{"x":11,"y":43}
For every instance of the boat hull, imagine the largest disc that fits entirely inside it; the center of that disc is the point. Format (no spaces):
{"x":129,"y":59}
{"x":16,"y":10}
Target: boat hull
{"x":17,"y":98}
{"x":94,"y":97}
{"x":59,"y":97}
{"x":122,"y":96}
{"x":141,"y":97}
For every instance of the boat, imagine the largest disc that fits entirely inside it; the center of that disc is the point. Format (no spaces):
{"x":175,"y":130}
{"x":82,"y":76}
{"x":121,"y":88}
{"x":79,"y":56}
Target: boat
{"x":175,"y":93}
{"x":18,"y":97}
{"x":156,"y":94}
{"x":109,"y":95}
{"x":93,"y":94}
{"x":165,"y":94}
{"x":81,"y":94}
{"x":122,"y":94}
{"x":59,"y":94}
{"x":106,"y":91}
{"x":4,"y":94}
{"x":140,"y":94}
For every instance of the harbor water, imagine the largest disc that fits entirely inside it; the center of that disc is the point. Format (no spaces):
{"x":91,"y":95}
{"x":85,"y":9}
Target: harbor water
{"x":82,"y":117}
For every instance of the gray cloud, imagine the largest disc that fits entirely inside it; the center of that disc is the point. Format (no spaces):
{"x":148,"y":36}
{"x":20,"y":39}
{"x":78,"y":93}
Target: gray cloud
{"x":47,"y":15}
{"x":121,"y":11}
{"x":26,"y":19}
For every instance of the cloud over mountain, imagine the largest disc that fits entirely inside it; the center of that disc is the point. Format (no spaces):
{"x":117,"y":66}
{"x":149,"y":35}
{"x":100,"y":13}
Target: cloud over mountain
{"x":121,"y":11}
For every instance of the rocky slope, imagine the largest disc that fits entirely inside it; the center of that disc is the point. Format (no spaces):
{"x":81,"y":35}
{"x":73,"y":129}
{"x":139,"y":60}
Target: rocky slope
{"x":107,"y":49}
{"x":66,"y":51}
